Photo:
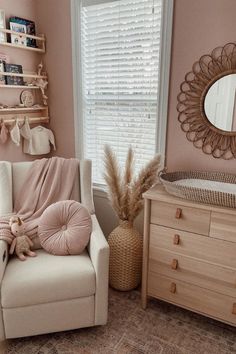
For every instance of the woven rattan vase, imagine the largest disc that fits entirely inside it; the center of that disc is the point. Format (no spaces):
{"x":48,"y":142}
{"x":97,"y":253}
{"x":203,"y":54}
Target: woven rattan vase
{"x":125,"y":257}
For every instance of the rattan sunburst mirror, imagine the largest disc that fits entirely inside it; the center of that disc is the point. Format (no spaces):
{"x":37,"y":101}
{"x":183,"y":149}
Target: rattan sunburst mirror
{"x":206,"y":103}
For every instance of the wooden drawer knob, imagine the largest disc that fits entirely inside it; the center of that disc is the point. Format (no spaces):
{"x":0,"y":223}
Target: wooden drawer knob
{"x":178,"y":213}
{"x":173,"y":288}
{"x":234,"y":309}
{"x":176,"y":239}
{"x":174,"y":264}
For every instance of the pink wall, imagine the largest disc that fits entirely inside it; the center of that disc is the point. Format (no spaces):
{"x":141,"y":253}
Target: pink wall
{"x":53,"y":18}
{"x":199,"y":26}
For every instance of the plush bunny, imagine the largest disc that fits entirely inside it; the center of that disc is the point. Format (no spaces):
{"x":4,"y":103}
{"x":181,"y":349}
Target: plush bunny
{"x":21,"y":243}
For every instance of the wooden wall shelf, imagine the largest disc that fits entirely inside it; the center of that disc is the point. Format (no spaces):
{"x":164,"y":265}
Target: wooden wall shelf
{"x":6,"y":44}
{"x":32,"y":76}
{"x":23,"y":109}
{"x":32,"y":120}
{"x":34,"y":114}
{"x":40,"y":39}
{"x":20,"y":87}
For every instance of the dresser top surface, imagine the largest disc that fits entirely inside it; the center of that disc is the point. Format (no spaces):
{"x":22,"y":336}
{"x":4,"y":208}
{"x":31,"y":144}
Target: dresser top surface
{"x":159,"y":193}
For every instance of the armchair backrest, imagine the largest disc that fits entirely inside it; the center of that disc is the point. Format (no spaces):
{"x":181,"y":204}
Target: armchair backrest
{"x":12,"y":176}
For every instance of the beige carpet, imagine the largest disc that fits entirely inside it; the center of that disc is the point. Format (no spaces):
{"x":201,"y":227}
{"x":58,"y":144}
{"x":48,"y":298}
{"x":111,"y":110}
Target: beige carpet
{"x":162,"y":328}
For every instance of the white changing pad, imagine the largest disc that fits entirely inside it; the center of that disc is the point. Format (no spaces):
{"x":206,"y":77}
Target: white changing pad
{"x":209,"y":185}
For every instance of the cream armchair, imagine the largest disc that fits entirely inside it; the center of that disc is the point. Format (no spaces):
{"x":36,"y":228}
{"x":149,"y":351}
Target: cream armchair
{"x":52,"y":293}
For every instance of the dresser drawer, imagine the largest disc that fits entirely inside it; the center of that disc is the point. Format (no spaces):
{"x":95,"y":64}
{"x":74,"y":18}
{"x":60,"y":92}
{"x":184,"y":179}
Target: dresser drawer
{"x":193,"y":271}
{"x":192,"y":297}
{"x":220,"y":252}
{"x":180,"y":217}
{"x":223,"y":226}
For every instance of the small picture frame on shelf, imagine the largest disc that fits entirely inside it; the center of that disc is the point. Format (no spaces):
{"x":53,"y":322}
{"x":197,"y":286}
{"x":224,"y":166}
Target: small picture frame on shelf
{"x":21,"y":25}
{"x":15,"y":69}
{"x":17,"y":38}
{"x":26,"y":98}
{"x":3,"y":37}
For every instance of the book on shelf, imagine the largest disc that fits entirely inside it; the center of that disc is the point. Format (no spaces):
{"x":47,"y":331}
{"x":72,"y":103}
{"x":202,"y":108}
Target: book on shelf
{"x":2,"y":69}
{"x":22,"y":25}
{"x":16,"y":69}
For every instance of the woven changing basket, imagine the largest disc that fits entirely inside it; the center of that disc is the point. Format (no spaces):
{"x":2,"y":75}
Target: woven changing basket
{"x":125,"y":257}
{"x":208,"y":196}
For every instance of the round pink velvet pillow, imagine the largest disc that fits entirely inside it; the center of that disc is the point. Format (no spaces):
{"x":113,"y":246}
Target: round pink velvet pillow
{"x":65,"y":228}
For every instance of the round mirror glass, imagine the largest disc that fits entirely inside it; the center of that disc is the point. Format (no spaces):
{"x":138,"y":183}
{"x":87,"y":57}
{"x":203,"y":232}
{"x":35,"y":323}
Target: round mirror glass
{"x":219,"y":104}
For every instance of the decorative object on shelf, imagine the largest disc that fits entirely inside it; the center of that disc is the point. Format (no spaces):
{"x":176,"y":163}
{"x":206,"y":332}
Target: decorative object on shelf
{"x":125,"y":194}
{"x":15,"y":69}
{"x":22,"y":25}
{"x":3,"y":37}
{"x":27,"y":98}
{"x":41,"y":83}
{"x":209,"y":120}
{"x":216,"y":188}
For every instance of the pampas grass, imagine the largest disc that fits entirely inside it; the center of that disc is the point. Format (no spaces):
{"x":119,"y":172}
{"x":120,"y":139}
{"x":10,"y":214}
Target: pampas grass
{"x":112,"y":178}
{"x":125,"y":191}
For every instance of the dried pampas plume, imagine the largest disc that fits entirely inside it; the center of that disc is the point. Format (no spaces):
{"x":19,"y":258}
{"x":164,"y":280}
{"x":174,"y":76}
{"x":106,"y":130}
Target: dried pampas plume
{"x":146,"y":178}
{"x":112,"y":178}
{"x":125,"y":191}
{"x":126,"y":184}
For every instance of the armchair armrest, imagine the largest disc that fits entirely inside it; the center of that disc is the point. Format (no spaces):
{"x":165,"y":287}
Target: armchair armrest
{"x":99,"y":253}
{"x":3,"y":258}
{"x":3,"y":263}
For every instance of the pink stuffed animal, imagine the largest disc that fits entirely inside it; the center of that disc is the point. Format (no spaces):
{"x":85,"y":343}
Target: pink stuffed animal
{"x":21,"y":243}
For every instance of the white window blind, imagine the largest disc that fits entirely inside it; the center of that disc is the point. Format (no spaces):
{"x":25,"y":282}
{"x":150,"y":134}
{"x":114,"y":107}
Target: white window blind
{"x":120,"y":42}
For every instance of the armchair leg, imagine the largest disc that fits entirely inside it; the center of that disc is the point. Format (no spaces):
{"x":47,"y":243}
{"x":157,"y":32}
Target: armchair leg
{"x":3,"y":346}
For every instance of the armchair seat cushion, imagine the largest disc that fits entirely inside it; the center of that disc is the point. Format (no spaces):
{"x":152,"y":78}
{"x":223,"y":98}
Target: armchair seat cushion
{"x":47,"y":278}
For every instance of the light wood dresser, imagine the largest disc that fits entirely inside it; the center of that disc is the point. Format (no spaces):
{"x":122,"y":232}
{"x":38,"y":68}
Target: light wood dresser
{"x":189,"y":255}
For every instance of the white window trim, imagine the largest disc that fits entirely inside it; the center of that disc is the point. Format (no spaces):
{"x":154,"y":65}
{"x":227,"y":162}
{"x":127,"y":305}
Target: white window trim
{"x":77,"y":87}
{"x":164,"y":74}
{"x":164,"y":77}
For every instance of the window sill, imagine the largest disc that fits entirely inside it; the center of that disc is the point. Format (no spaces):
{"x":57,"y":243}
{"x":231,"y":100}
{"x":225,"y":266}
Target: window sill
{"x":99,"y":190}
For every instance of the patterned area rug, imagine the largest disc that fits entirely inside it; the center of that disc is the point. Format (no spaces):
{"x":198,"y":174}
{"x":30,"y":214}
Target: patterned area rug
{"x":162,"y":328}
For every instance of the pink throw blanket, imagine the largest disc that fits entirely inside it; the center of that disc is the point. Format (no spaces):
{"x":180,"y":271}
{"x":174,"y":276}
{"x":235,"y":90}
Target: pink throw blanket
{"x":48,"y":181}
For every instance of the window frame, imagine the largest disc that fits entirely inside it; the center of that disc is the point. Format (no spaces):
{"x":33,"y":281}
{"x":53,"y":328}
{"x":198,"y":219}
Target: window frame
{"x":163,"y":85}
